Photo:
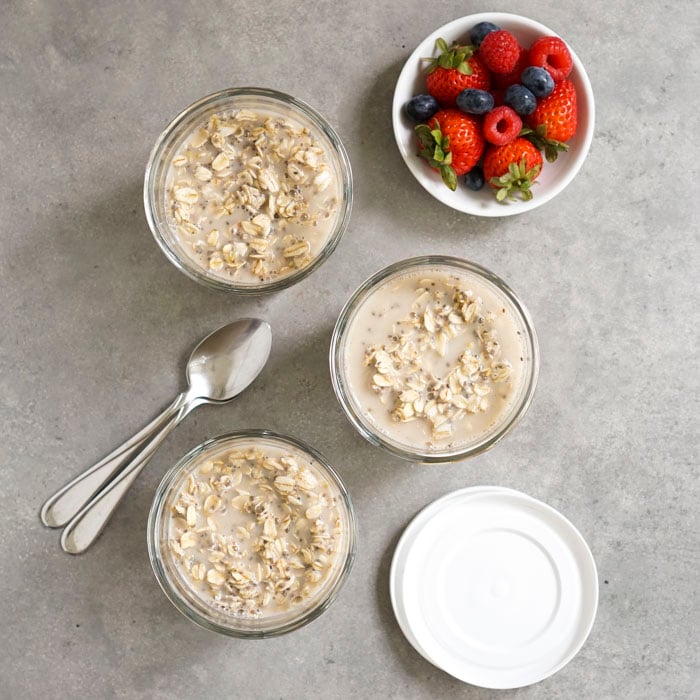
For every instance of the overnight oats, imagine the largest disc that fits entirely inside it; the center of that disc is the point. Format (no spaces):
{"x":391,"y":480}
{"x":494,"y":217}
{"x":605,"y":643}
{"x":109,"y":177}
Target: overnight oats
{"x":434,"y":358}
{"x":248,"y":190}
{"x":251,"y":534}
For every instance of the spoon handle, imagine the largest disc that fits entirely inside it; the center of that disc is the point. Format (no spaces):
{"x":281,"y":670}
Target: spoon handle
{"x":67,"y":501}
{"x":87,"y":525}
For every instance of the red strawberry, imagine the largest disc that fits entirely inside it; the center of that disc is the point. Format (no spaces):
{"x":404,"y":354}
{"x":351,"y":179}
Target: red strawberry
{"x":551,"y":53}
{"x":453,"y":70}
{"x":512,"y":168}
{"x":499,"y":51}
{"x":555,"y":116}
{"x":451,"y":143}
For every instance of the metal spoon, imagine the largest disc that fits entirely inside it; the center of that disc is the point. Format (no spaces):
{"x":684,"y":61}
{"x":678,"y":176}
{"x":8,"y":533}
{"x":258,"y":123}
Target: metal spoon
{"x":219,"y":368}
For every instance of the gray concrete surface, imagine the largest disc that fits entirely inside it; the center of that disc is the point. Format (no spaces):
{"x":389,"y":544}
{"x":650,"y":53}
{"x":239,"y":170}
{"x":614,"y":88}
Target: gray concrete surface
{"x":96,"y":326}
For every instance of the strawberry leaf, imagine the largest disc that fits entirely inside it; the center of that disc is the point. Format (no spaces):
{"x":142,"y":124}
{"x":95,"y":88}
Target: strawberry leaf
{"x":538,"y":138}
{"x":552,"y":152}
{"x":441,"y":45}
{"x":435,"y":149}
{"x":449,"y":177}
{"x":464,"y":68}
{"x":424,"y":135}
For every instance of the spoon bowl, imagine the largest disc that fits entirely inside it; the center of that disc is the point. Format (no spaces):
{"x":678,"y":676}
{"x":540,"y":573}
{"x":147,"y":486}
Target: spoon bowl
{"x":225,"y":362}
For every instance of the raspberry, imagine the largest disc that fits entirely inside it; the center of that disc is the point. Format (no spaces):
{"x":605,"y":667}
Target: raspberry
{"x":507,"y":79}
{"x":502,"y":125}
{"x":551,"y":53}
{"x":499,"y":51}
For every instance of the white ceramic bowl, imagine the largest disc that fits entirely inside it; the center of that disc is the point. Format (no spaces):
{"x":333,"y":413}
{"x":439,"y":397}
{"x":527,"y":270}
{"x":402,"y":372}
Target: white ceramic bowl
{"x":554,"y":176}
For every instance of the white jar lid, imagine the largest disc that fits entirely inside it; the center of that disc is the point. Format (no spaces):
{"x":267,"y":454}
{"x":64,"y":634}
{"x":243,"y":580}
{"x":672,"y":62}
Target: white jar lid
{"x":494,"y":587}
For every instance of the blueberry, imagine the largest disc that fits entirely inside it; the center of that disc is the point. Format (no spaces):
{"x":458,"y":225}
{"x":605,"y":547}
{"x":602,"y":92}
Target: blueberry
{"x":520,"y":99}
{"x":474,"y":179}
{"x":477,"y":34}
{"x":473,"y":101}
{"x":537,"y":80}
{"x":421,"y":108}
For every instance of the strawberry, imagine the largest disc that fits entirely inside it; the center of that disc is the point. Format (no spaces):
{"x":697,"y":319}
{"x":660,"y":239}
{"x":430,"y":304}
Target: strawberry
{"x":452,"y":144}
{"x":512,"y":168}
{"x":456,"y":68}
{"x":555,"y":116}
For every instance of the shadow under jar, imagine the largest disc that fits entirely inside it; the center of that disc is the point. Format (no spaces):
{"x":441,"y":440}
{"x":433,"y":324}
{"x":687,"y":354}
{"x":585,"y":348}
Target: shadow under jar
{"x":248,"y":190}
{"x":251,"y":534}
{"x":434,"y":359}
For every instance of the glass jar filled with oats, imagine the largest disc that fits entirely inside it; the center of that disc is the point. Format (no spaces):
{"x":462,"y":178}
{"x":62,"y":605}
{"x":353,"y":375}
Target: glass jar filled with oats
{"x":251,"y":534}
{"x":434,"y":358}
{"x":248,"y":190}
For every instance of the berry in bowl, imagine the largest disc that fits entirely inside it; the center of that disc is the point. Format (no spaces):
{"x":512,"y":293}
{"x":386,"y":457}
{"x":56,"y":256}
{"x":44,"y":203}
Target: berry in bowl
{"x":493,"y":114}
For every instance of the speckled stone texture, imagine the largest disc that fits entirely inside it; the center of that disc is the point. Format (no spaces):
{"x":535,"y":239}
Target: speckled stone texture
{"x":96,"y":327}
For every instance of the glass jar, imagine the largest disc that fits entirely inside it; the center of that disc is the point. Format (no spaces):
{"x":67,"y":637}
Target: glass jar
{"x":380,"y":415}
{"x":173,"y":235}
{"x":205,"y":599}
